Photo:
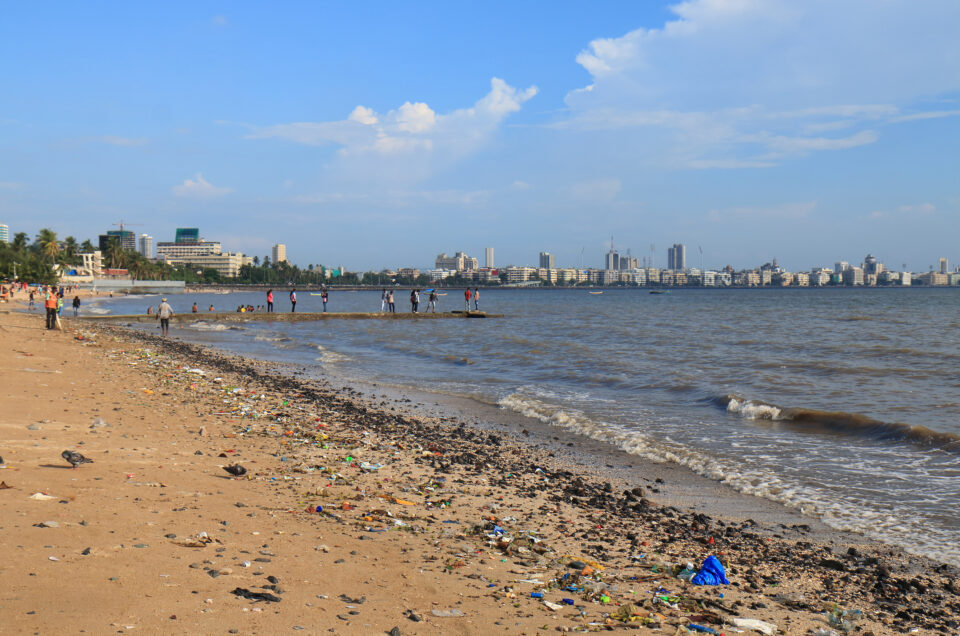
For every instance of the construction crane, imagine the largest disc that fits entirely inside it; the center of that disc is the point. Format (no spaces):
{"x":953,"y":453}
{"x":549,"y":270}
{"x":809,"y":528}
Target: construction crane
{"x":122,"y":223}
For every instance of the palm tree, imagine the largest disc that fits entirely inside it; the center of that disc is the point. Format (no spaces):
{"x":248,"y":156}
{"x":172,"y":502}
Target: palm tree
{"x":87,"y":247}
{"x":137,"y":264}
{"x":48,"y":244}
{"x":70,"y":249}
{"x":116,"y":254}
{"x":20,"y":241}
{"x":256,"y":261}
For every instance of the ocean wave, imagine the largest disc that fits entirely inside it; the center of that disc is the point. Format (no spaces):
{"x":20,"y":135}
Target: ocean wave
{"x":94,"y":309}
{"x":892,"y":525}
{"x":212,"y":326}
{"x":263,"y":338}
{"x":329,"y":357}
{"x":842,"y":423}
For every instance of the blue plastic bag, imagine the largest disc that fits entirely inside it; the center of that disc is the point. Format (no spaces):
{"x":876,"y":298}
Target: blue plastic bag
{"x":711,"y":573}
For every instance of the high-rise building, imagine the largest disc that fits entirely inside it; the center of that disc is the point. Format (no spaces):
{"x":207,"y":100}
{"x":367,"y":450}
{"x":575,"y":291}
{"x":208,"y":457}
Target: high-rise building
{"x":187,"y":235}
{"x":4,"y":233}
{"x":279,"y":254}
{"x":488,"y":258}
{"x":677,"y":257}
{"x":128,"y":240}
{"x":944,"y":265}
{"x":548,"y":260}
{"x":612,"y":259}
{"x":146,"y":246}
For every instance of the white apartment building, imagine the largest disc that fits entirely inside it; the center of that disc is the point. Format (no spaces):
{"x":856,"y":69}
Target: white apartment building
{"x":520,"y":274}
{"x":459,"y":262}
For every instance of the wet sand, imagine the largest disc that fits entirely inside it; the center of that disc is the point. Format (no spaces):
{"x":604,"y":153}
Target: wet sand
{"x":416,"y":512}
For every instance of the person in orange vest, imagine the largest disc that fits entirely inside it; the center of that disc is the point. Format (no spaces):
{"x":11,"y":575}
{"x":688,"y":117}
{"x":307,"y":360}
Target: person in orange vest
{"x":50,"y":303}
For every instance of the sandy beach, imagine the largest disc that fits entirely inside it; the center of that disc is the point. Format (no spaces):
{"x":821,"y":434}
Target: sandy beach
{"x":359,"y":515}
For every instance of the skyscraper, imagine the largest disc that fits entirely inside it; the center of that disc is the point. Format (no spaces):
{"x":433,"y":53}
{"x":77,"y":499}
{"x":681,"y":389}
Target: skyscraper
{"x":146,"y":246}
{"x":488,"y":258}
{"x":944,"y":265}
{"x":279,"y":254}
{"x":612,"y":259}
{"x":548,"y":260}
{"x":4,"y":233}
{"x":128,"y":240}
{"x":677,"y":257}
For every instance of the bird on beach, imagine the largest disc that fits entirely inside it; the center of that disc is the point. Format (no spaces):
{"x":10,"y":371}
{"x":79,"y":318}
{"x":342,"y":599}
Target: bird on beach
{"x":75,"y":459}
{"x":236,"y":470}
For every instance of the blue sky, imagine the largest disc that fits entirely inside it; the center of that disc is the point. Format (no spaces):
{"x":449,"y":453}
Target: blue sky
{"x":379,"y":134}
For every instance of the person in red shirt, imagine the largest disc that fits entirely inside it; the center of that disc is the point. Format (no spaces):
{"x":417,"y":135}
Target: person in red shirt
{"x":269,"y":301}
{"x":466,"y":296}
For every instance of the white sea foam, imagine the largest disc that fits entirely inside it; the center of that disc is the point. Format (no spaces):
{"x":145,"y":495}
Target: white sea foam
{"x":893,"y":526}
{"x":211,"y":326}
{"x":754,"y":410}
{"x":95,"y":309}
{"x":329,"y":357}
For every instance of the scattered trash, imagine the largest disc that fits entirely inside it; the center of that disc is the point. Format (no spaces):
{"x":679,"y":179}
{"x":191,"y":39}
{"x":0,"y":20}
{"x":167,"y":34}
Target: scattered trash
{"x":447,"y":613}
{"x":255,"y":596}
{"x":196,"y":541}
{"x":756,"y":625}
{"x":711,"y":573}
{"x":842,"y":619}
{"x":46,"y":524}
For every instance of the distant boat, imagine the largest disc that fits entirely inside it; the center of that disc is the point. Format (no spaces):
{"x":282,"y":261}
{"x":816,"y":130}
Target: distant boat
{"x":660,"y":291}
{"x":595,"y":293}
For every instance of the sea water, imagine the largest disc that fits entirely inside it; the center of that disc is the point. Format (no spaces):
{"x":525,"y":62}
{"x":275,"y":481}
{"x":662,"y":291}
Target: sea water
{"x":842,"y":403}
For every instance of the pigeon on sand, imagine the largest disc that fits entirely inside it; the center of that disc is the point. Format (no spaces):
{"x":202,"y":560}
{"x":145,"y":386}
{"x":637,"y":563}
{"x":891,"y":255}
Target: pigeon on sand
{"x":75,"y":459}
{"x":236,"y":470}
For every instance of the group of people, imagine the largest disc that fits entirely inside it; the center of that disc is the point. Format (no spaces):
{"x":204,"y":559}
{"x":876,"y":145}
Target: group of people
{"x":388,"y":305}
{"x":476,"y":298}
{"x":53,"y":304}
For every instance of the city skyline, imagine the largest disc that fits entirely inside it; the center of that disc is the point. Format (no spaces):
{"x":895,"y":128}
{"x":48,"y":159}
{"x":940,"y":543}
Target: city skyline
{"x":724,"y":125}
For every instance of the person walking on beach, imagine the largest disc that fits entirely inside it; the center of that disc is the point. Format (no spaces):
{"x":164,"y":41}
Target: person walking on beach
{"x":413,"y":301}
{"x":31,"y":299}
{"x":50,"y":304}
{"x":390,"y":305}
{"x":476,"y":299}
{"x":164,"y":312}
{"x":466,"y":296}
{"x":432,"y":301}
{"x":293,"y":300}
{"x":76,"y":306}
{"x":59,"y":306}
{"x":383,"y":300}
{"x":269,"y":301}
{"x":194,"y":309}
{"x":324,"y":297}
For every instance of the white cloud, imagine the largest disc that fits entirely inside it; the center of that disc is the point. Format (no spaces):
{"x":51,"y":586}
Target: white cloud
{"x":520,"y":185}
{"x":414,"y":139}
{"x":199,"y":188}
{"x":10,"y":185}
{"x":743,"y":82}
{"x":904,"y":211}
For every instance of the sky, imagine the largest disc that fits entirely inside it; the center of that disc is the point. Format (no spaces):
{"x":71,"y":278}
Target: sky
{"x":376,"y":135}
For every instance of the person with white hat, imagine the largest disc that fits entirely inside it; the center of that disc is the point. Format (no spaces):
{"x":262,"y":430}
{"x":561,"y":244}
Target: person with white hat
{"x":164,"y":311}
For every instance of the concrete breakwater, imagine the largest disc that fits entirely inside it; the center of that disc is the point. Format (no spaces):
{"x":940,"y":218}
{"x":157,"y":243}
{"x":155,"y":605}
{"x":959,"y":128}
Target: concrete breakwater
{"x":288,"y":317}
